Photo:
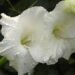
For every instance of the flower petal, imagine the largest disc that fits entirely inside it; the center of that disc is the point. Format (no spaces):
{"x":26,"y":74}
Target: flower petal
{"x":23,"y":62}
{"x":18,"y":57}
{"x":64,"y":22}
{"x":7,"y":20}
{"x":22,"y":24}
{"x":30,"y":19}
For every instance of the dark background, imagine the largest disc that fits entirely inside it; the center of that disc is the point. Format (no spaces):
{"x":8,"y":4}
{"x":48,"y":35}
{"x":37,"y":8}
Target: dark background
{"x":15,"y":7}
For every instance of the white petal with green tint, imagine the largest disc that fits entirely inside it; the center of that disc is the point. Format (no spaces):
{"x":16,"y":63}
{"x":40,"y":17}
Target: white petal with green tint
{"x":62,"y":26}
{"x":17,"y":32}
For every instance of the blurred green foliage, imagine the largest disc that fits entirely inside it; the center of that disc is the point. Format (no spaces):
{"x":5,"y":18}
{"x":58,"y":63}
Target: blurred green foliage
{"x":3,"y":61}
{"x":1,"y":2}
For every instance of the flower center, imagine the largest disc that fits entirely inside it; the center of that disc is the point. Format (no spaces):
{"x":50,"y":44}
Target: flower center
{"x":25,"y":41}
{"x":57,"y":31}
{"x":64,"y":32}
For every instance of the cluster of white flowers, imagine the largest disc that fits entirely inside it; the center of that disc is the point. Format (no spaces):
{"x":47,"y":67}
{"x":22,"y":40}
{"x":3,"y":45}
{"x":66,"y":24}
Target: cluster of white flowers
{"x":37,"y":35}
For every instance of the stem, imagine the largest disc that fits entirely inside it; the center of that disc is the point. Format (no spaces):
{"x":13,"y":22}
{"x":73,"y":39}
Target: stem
{"x":12,"y":6}
{"x":33,"y":3}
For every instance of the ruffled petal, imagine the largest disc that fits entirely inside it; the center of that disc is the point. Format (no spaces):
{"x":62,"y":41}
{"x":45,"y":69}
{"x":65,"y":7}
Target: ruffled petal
{"x":9,"y":21}
{"x":23,"y":62}
{"x":9,"y":25}
{"x":6,"y":49}
{"x":31,"y":19}
{"x":22,"y":24}
{"x":63,"y":22}
{"x":18,"y":57}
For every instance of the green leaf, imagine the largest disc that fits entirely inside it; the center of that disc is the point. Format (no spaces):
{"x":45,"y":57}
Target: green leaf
{"x":3,"y":60}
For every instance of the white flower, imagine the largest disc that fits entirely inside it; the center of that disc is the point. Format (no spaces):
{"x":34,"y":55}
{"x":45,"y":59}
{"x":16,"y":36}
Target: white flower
{"x":20,"y":34}
{"x":56,"y":38}
{"x":62,"y":31}
{"x":38,"y":36}
{"x":69,"y":6}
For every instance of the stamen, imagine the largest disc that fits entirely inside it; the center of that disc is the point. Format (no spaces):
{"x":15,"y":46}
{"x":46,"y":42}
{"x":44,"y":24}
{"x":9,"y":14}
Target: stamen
{"x":25,"y":41}
{"x":58,"y":33}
